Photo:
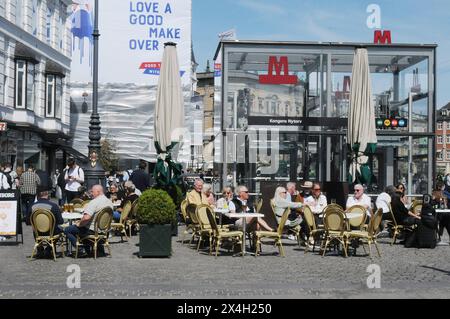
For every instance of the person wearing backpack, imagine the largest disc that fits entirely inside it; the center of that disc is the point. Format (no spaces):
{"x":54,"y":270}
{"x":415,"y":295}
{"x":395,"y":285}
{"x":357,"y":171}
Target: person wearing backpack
{"x":74,"y":178}
{"x":4,"y":180}
{"x":7,"y":171}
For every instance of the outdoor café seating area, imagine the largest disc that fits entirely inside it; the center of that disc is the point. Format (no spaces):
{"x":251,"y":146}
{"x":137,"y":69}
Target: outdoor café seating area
{"x":43,"y":225}
{"x":334,"y":231}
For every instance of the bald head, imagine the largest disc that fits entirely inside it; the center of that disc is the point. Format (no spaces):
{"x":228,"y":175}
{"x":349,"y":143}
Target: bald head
{"x":97,"y":190}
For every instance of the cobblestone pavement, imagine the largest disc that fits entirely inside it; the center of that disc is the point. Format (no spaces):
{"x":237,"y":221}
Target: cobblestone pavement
{"x":416,"y":273}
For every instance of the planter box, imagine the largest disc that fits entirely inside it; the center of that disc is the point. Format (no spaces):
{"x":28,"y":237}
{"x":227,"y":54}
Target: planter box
{"x":155,"y":240}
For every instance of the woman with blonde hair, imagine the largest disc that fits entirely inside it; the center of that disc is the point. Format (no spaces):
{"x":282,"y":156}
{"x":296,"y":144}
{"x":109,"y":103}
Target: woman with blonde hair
{"x":281,"y":203}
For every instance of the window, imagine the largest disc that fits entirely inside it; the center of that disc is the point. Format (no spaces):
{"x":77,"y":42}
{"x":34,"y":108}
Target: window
{"x":59,"y":32}
{"x":53,"y":95}
{"x":49,"y":18}
{"x":439,"y":125}
{"x":34,"y":17}
{"x":30,"y":86}
{"x":439,"y":139}
{"x":439,"y":156}
{"x":447,"y":139}
{"x":19,"y":12}
{"x":448,"y":154}
{"x":20,"y":83}
{"x":50,"y":88}
{"x":25,"y":84}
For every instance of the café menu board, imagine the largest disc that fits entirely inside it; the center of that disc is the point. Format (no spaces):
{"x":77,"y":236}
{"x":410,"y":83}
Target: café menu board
{"x":8,"y":214}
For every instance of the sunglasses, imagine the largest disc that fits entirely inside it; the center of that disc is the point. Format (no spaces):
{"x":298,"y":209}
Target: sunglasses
{"x":316,"y":189}
{"x":357,"y":190}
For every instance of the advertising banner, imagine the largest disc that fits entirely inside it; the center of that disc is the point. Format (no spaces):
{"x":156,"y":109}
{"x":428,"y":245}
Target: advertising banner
{"x":131,"y":45}
{"x":8,"y":214}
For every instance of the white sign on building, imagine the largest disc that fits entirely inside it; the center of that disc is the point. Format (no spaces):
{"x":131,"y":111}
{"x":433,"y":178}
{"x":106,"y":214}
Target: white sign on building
{"x":131,"y":45}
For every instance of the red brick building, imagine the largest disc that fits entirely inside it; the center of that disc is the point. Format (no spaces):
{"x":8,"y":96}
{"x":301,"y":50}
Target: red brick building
{"x":443,"y":139}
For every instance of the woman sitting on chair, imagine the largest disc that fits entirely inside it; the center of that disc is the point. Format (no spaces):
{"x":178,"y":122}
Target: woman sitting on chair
{"x":281,"y":203}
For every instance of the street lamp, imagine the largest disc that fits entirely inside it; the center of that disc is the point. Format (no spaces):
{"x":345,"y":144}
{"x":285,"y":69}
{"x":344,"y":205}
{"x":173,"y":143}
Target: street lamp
{"x":94,"y":172}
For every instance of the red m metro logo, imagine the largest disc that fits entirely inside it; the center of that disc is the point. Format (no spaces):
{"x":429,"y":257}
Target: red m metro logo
{"x":278,"y":67}
{"x":382,"y":37}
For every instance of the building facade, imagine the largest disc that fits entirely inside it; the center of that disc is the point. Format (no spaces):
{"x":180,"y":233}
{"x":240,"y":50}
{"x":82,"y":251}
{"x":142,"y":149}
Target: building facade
{"x":443,"y":140}
{"x":35,"y":49}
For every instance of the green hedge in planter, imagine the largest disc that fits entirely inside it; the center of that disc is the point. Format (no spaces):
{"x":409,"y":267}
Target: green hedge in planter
{"x":156,"y":207}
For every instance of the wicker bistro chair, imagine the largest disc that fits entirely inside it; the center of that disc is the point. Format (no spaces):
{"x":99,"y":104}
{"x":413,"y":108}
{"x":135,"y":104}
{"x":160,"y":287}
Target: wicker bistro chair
{"x":416,"y":207}
{"x":369,"y":236}
{"x":186,"y":219}
{"x":205,"y":225}
{"x":43,"y":223}
{"x":77,"y":201}
{"x":122,"y":224}
{"x":295,"y":230}
{"x":396,"y":228}
{"x":132,"y":217}
{"x":335,"y":228}
{"x":315,"y":233}
{"x":219,"y":234}
{"x":259,"y":205}
{"x":259,"y":234}
{"x":195,"y":225}
{"x":357,"y":222}
{"x":102,"y":224}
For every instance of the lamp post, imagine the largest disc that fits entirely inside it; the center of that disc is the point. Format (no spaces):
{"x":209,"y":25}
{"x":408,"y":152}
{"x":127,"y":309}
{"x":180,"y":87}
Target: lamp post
{"x":94,"y":172}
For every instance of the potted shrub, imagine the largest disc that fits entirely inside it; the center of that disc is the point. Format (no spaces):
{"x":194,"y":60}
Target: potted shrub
{"x":156,"y":214}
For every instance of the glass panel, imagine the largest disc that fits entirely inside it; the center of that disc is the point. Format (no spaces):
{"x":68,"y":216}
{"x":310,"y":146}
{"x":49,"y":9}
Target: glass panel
{"x":420,"y":165}
{"x":50,"y":95}
{"x":393,"y":78}
{"x":30,"y":87}
{"x":34,"y":17}
{"x":19,"y":12}
{"x":49,"y":18}
{"x":253,"y":90}
{"x":20,"y":83}
{"x":58,"y":97}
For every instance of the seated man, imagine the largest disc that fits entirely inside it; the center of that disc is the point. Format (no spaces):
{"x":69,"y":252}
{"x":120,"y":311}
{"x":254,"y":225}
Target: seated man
{"x":360,"y":199}
{"x":317,"y":202}
{"x":44,"y":203}
{"x":196,"y":196}
{"x":86,"y":225}
{"x":241,"y":203}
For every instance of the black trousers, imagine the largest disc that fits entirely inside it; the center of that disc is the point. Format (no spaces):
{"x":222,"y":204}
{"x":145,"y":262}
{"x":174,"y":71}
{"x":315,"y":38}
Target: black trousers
{"x":71,"y":195}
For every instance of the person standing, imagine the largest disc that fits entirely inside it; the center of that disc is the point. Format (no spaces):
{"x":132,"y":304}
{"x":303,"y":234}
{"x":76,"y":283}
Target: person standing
{"x":29,"y":181}
{"x":140,"y":177}
{"x":4,"y":184}
{"x":74,"y":177}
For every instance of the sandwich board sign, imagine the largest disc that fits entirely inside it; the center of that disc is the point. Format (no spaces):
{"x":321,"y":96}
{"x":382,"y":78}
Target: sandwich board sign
{"x":10,"y":224}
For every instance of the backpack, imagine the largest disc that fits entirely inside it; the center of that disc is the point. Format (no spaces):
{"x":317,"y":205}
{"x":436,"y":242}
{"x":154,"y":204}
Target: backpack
{"x":8,"y":178}
{"x":61,"y":181}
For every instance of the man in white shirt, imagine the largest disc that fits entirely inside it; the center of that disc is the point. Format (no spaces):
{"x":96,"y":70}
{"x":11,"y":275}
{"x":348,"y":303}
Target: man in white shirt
{"x":360,"y":199}
{"x":74,"y":177}
{"x":86,"y":225}
{"x":317,"y":201}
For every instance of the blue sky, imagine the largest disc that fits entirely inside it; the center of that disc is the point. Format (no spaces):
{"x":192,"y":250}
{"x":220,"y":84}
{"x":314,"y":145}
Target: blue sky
{"x":410,"y":21}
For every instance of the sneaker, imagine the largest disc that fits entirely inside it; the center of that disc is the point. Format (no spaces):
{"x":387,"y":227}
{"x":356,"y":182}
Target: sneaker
{"x":442,"y":243}
{"x":292,"y":237}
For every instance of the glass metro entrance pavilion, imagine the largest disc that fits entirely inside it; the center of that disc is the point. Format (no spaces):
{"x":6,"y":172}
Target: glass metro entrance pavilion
{"x":281,"y":113}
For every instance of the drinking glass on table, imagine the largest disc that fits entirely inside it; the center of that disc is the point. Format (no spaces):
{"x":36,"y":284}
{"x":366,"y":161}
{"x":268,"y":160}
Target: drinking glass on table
{"x":71,"y":208}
